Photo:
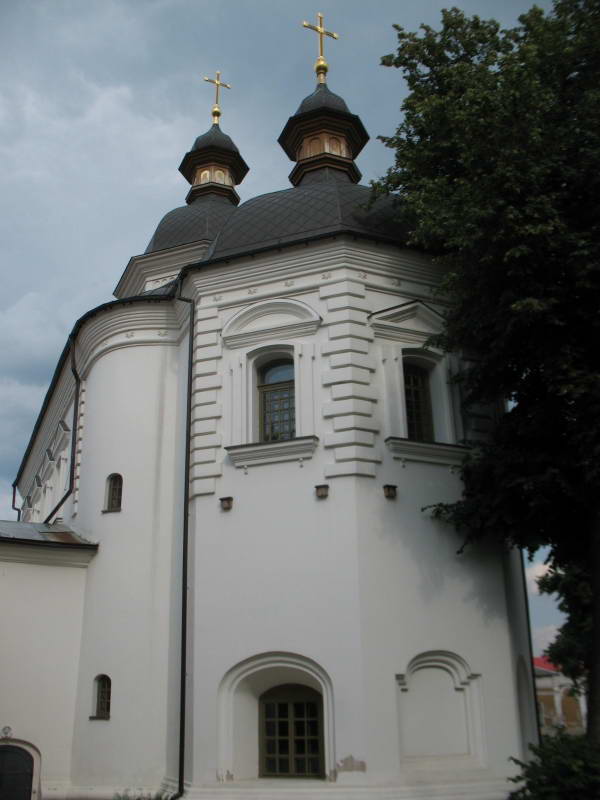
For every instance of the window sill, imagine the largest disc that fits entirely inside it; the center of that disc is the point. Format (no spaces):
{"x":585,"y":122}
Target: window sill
{"x":110,"y":510}
{"x":105,"y":718}
{"x":249,"y":455}
{"x":450,"y":455}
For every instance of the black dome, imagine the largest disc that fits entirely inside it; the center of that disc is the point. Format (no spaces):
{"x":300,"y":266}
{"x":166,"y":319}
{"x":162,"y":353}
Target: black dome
{"x":326,"y":203}
{"x":214,"y":137}
{"x":201,"y":220}
{"x":322,"y":97}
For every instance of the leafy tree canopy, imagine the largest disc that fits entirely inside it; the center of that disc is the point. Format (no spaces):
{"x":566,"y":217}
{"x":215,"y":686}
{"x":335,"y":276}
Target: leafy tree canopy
{"x":497,"y":173}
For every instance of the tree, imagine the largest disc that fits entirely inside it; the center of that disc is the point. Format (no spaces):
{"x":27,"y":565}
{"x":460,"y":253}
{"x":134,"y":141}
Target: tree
{"x":497,"y":173}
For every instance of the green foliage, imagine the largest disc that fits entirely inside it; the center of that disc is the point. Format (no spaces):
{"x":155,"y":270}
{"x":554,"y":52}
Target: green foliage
{"x":572,"y":647}
{"x":563,"y":768}
{"x":497,"y":174}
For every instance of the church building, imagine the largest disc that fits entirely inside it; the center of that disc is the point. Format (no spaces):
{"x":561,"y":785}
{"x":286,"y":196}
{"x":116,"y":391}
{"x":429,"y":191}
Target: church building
{"x":222,"y":583}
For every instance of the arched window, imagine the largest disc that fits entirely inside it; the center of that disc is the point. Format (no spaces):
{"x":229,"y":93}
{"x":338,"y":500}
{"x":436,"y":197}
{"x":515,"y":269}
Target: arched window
{"x":219,"y":176}
{"x":102,"y":687}
{"x":419,"y":418}
{"x":334,"y":146}
{"x":275,"y":381}
{"x":315,"y":146}
{"x":114,"y":492}
{"x":291,"y":733}
{"x":205,"y":176}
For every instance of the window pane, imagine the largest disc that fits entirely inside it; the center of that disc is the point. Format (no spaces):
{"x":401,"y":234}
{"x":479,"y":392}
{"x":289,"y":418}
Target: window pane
{"x":277,"y":373}
{"x":313,"y":728}
{"x":271,"y":746}
{"x":311,"y":710}
{"x":271,"y":765}
{"x":270,"y":729}
{"x":299,"y":746}
{"x":313,"y":746}
{"x":282,"y":710}
{"x":269,"y":710}
{"x":284,"y":765}
{"x":299,"y":728}
{"x":283,"y":729}
{"x":313,"y":766}
{"x":300,"y":766}
{"x":299,"y":710}
{"x":418,"y":403}
{"x":284,"y":747}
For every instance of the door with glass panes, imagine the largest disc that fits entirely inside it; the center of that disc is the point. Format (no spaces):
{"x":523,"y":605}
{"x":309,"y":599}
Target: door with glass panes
{"x":291,"y":733}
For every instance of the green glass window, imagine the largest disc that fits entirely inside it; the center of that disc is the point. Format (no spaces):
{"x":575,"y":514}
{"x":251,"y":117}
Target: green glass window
{"x":291,"y":733}
{"x":418,"y":403}
{"x":277,"y":401}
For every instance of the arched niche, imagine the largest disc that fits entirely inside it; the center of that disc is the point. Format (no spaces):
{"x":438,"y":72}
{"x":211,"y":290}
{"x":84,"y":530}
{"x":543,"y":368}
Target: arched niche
{"x":440,"y":710}
{"x":238,"y":709}
{"x":268,"y":319}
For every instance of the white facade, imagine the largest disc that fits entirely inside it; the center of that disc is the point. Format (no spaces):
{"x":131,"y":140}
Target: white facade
{"x":418,"y":653}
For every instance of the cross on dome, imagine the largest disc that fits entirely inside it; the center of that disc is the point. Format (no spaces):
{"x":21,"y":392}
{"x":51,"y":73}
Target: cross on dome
{"x":321,"y":65}
{"x":216,"y":109}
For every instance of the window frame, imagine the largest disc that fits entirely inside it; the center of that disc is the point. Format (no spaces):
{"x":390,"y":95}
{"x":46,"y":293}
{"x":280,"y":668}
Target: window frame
{"x":291,"y":694}
{"x":263,"y":389}
{"x":102,"y":697}
{"x":111,"y":507}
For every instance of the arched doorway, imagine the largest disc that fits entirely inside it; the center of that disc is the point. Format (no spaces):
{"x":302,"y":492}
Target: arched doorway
{"x":16,"y":773}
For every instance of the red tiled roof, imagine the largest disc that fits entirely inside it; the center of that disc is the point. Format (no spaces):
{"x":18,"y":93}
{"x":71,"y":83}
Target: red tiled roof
{"x":543,"y":663}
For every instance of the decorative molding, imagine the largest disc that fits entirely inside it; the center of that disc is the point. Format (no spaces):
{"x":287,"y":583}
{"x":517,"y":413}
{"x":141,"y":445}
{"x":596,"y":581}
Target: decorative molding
{"x":450,"y":455}
{"x":413,"y":322}
{"x":267,"y":319}
{"x":249,"y":455}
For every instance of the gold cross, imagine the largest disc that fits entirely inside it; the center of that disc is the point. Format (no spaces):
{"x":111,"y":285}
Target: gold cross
{"x":321,"y":65}
{"x":216,"y":109}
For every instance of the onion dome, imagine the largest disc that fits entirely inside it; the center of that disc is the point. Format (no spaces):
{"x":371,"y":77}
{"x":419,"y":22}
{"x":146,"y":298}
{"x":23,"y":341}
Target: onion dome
{"x":323,"y":133}
{"x":213,"y":167}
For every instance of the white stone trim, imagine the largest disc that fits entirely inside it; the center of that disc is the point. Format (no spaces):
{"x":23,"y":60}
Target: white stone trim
{"x":251,"y":325}
{"x":429,"y":452}
{"x":230,"y":682}
{"x":465,"y":680}
{"x":249,"y":455}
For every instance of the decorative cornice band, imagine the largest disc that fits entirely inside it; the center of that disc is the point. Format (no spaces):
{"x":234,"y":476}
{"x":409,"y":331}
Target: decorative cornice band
{"x":249,"y":455}
{"x":428,"y":452}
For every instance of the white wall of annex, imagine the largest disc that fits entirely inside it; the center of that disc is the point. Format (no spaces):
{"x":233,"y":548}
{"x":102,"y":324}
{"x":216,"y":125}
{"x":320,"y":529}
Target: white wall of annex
{"x":40,"y":632}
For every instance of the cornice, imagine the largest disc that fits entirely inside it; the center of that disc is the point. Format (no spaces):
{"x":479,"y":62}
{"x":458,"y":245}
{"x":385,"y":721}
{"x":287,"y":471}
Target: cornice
{"x":146,"y":266}
{"x":47,"y":553}
{"x":428,"y":452}
{"x":249,"y":455}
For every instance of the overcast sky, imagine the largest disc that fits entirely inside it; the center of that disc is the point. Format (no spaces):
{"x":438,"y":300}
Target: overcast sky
{"x":101,"y":99}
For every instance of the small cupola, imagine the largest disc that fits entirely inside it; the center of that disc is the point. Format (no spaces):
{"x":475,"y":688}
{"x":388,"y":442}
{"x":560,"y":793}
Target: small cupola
{"x":323,"y":133}
{"x":214,"y":164}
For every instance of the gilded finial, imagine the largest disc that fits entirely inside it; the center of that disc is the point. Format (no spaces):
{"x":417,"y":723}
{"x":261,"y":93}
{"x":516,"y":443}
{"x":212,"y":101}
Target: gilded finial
{"x":216,"y":109}
{"x":321,"y":66}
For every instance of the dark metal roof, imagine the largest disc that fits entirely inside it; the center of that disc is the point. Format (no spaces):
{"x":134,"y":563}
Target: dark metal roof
{"x":214,"y":137}
{"x":322,"y":97}
{"x":201,"y":220}
{"x":326,"y":203}
{"x":41,"y":534}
